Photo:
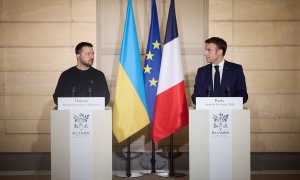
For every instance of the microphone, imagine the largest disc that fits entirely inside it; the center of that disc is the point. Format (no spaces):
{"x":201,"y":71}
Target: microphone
{"x":227,"y":91}
{"x":90,"y":91}
{"x":73,"y":90}
{"x":209,"y":91}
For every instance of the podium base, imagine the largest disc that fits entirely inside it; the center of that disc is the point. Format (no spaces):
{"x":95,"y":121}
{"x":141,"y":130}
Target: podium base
{"x":132,"y":175}
{"x":167,"y":174}
{"x":145,"y":162}
{"x":149,"y":172}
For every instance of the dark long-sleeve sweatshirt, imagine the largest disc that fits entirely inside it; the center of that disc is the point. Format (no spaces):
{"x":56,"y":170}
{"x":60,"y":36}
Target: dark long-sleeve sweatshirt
{"x":78,"y":83}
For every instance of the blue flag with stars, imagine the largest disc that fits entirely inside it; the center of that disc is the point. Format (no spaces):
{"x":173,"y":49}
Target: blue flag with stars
{"x":152,"y":62}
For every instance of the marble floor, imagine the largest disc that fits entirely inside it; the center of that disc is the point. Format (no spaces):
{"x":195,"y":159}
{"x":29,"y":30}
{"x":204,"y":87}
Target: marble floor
{"x":154,"y":177}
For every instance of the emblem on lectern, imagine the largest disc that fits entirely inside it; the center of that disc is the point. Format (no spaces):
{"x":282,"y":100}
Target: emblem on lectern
{"x":220,"y":124}
{"x":81,"y":125}
{"x":81,"y":121}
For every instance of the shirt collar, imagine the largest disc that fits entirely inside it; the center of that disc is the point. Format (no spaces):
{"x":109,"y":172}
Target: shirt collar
{"x":221,"y":63}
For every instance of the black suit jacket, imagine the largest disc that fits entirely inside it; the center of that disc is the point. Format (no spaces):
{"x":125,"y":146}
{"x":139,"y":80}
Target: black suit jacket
{"x":232,"y":84}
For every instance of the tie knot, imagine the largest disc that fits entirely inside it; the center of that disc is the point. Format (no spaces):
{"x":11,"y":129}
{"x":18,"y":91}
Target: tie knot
{"x":217,"y":67}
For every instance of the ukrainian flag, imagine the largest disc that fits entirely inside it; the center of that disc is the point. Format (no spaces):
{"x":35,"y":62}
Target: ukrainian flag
{"x":130,"y":107}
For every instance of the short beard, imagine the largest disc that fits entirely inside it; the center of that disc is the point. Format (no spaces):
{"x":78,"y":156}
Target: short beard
{"x":88,"y":65}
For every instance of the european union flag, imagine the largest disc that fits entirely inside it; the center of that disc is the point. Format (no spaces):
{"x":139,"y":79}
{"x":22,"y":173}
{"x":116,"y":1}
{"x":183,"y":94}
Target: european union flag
{"x":152,"y":62}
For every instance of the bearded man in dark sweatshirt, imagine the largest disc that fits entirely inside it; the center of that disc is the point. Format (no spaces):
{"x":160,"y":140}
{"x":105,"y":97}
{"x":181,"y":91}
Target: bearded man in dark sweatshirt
{"x":82,"y":80}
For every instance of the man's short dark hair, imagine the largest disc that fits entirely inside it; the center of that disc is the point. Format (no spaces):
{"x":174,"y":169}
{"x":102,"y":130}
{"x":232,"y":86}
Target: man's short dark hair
{"x":81,"y":45}
{"x":221,"y":43}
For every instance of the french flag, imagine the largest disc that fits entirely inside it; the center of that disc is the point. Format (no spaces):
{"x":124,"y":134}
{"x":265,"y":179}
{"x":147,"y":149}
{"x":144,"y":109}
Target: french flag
{"x":171,"y":110}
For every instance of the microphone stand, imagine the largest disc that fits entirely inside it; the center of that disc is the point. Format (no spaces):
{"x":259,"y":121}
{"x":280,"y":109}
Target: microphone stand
{"x":227,"y":91}
{"x":73,"y":91}
{"x":90,"y":91}
{"x":209,"y":91}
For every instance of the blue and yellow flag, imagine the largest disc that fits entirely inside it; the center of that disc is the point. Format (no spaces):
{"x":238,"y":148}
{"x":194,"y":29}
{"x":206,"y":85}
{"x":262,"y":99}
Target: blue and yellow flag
{"x":152,"y":61}
{"x":130,"y":106}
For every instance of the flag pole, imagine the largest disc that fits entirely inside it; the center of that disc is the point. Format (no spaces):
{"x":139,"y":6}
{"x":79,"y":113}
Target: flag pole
{"x":156,"y":164}
{"x":153,"y":171}
{"x":128,"y":173}
{"x":171,"y":172}
{"x":128,"y":168}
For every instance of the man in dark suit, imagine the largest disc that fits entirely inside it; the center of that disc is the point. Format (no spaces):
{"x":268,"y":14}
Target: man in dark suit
{"x":219,"y":78}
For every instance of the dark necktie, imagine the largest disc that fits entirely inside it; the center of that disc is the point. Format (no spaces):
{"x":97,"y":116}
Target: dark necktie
{"x":217,"y":82}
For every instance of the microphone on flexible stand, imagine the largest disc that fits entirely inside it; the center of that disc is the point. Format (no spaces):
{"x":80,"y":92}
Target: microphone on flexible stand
{"x":90,"y":91}
{"x":209,"y":90}
{"x":227,"y":91}
{"x":73,"y":90}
